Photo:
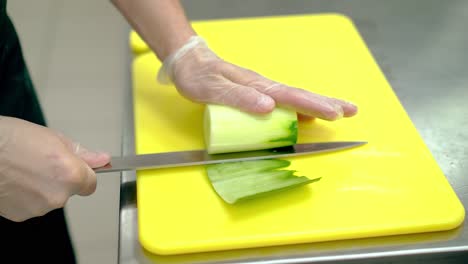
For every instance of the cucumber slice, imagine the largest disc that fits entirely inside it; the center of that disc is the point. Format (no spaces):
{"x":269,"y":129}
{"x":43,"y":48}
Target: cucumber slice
{"x":246,"y":180}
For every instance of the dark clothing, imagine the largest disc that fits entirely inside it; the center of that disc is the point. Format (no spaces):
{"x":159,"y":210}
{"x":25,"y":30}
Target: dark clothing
{"x":41,"y":239}
{"x":17,"y":96}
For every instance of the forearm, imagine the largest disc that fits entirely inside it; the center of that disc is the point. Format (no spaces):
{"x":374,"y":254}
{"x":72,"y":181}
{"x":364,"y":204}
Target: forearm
{"x":161,"y":23}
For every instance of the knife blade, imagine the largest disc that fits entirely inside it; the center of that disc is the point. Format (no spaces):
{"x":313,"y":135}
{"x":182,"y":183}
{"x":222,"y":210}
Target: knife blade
{"x":201,"y":157}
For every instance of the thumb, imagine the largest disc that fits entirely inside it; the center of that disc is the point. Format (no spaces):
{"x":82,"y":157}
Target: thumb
{"x":92,"y":158}
{"x":89,"y":184}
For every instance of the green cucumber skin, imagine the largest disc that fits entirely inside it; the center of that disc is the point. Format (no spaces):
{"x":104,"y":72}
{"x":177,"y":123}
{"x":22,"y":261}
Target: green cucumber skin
{"x":233,"y":169}
{"x":272,"y":192}
{"x":247,"y":180}
{"x":292,"y":138}
{"x":251,"y":184}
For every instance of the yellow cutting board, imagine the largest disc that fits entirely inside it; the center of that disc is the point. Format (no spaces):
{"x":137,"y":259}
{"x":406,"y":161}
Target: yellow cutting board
{"x":390,"y":186}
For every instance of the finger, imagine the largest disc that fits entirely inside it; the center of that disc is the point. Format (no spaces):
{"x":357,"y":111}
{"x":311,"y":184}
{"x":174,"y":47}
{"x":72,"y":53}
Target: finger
{"x":245,"y":98}
{"x":349,"y":109}
{"x":305,"y":118}
{"x":246,"y":81}
{"x":89,"y":183}
{"x":92,"y":158}
{"x":84,"y":178}
{"x":304,"y":102}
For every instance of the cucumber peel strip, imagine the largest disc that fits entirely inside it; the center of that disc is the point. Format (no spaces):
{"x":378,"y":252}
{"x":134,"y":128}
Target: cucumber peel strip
{"x":247,"y":180}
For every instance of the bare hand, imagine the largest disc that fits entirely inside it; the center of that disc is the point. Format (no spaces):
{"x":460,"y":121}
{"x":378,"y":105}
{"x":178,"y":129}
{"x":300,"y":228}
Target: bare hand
{"x":41,"y":169}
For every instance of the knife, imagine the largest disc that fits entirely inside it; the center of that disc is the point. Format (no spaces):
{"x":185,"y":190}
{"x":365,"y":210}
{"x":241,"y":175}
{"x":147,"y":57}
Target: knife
{"x":201,"y":157}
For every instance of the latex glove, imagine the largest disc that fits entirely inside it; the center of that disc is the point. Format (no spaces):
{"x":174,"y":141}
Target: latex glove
{"x":40,"y":169}
{"x":201,"y":76}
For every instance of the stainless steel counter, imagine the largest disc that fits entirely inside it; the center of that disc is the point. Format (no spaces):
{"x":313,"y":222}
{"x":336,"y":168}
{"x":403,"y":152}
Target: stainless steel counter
{"x":422,"y":47}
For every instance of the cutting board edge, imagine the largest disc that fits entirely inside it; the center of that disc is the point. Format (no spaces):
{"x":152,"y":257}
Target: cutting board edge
{"x":456,"y":221}
{"x":139,"y":46}
{"x":285,"y":241}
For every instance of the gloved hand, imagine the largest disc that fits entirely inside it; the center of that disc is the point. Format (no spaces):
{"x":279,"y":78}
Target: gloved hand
{"x":201,"y":76}
{"x":40,"y":169}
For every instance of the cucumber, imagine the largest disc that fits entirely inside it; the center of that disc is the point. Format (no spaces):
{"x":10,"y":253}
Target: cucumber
{"x":227,"y":129}
{"x":245,"y":180}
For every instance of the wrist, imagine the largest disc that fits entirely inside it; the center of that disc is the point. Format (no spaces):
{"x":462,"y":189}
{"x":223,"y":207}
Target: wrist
{"x":166,"y":72}
{"x":162,"y":24}
{"x":173,"y":44}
